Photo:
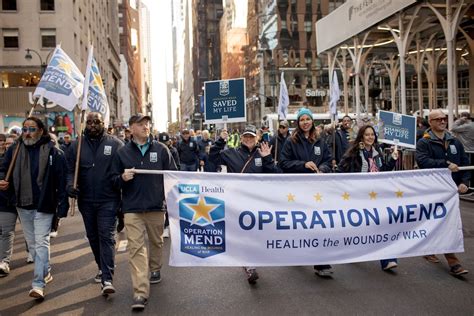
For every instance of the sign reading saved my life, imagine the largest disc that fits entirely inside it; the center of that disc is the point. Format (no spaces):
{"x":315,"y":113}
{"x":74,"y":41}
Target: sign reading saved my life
{"x":224,"y":101}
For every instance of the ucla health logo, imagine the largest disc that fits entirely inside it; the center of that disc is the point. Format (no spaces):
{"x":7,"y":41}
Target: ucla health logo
{"x":202,"y":224}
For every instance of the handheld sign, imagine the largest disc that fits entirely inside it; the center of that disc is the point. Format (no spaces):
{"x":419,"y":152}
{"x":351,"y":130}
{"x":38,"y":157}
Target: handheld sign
{"x":397,"y":129}
{"x":224,"y":101}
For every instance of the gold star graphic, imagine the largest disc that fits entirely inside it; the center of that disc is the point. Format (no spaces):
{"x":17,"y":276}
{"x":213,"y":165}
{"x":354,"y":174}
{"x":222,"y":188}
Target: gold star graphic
{"x":346,"y":196}
{"x":373,"y":195}
{"x":399,"y":193}
{"x":97,"y":81}
{"x":202,"y":210}
{"x":65,"y":66}
{"x":291,"y":197}
{"x":318,"y":197}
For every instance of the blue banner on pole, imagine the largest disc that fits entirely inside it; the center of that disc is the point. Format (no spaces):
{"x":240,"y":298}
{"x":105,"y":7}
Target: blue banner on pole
{"x":397,"y":129}
{"x":224,"y":101}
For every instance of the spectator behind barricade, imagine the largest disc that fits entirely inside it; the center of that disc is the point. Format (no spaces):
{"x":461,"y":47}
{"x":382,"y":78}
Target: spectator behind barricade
{"x":364,"y":155}
{"x":142,"y":205}
{"x":439,"y":149}
{"x":39,"y":183}
{"x":121,"y":136}
{"x":421,"y":126}
{"x":305,"y":152}
{"x":234,"y":139}
{"x":204,"y":145}
{"x":128,"y":135}
{"x":8,"y":214}
{"x":188,"y":152}
{"x":278,"y":140}
{"x":249,"y":157}
{"x":97,"y":200}
{"x":463,"y":129}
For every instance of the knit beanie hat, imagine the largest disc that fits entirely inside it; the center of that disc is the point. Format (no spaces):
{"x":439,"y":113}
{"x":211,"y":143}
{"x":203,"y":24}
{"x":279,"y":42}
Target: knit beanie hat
{"x":304,"y":111}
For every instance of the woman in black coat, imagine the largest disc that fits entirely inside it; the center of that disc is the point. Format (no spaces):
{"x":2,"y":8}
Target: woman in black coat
{"x":364,"y":155}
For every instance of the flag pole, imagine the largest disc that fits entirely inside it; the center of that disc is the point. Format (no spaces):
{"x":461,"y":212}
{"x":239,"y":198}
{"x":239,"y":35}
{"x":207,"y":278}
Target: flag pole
{"x":17,"y":148}
{"x":83,"y":114}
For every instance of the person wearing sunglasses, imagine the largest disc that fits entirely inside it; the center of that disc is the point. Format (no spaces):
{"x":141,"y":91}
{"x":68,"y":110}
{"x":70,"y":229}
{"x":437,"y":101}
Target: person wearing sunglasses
{"x":98,"y":201}
{"x":440,"y":149}
{"x":39,"y":183}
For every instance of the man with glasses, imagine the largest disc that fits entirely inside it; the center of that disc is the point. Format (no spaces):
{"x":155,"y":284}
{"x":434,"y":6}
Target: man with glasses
{"x":98,"y":201}
{"x":439,"y":149}
{"x":278,"y":140}
{"x":39,"y":183}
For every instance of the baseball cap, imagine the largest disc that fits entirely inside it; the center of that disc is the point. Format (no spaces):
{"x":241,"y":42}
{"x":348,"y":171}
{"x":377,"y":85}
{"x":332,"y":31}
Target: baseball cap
{"x":163,"y":137}
{"x":284,"y":123}
{"x":250,"y":129}
{"x":137,"y":118}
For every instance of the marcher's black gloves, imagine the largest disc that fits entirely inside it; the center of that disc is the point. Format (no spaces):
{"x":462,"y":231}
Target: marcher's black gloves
{"x":121,"y":223}
{"x":71,"y":192}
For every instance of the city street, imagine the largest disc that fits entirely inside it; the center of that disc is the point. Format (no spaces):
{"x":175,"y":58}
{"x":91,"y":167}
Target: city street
{"x":415,"y":288}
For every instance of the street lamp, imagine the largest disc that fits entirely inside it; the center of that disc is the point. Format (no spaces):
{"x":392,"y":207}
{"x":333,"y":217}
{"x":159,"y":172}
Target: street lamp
{"x":43,"y":66}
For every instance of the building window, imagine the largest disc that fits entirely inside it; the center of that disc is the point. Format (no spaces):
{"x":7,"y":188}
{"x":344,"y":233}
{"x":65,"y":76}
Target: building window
{"x":10,"y":38}
{"x":307,"y":26}
{"x":48,"y":38}
{"x":8,"y":5}
{"x":47,"y":5}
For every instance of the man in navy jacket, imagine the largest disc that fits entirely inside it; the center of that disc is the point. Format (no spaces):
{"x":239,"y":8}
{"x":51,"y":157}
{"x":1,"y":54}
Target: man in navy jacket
{"x":439,"y":149}
{"x":97,"y":200}
{"x":142,"y":204}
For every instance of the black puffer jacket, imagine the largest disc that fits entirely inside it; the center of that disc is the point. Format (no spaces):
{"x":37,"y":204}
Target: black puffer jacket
{"x":295,"y":154}
{"x":236,"y":158}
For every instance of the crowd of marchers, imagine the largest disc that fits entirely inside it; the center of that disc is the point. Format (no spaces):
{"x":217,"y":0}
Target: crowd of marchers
{"x":39,"y":174}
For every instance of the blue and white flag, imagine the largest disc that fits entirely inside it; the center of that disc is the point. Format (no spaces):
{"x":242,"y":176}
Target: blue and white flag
{"x":335,"y":94}
{"x":284,"y":99}
{"x":62,"y":82}
{"x":95,"y":98}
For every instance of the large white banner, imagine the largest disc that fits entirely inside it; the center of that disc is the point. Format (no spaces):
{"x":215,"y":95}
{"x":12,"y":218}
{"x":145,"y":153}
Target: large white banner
{"x":352,"y":18}
{"x":283,"y":220}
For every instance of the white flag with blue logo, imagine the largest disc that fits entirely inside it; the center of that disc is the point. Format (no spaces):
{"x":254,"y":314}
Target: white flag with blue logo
{"x":284,"y":99}
{"x":95,"y":98}
{"x":62,"y":82}
{"x":335,"y":94}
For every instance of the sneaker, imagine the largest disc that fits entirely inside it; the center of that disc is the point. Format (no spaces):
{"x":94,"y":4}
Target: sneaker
{"x":30,"y":258}
{"x":4,"y":269}
{"x":323,"y":272}
{"x":252,"y":275}
{"x":458,"y":270}
{"x":53,"y":234}
{"x":98,"y":277}
{"x":431,"y":258}
{"x":37,"y":293}
{"x":390,"y":265}
{"x":107,"y":288}
{"x":139,"y":303}
{"x":166,"y":232}
{"x":155,"y":277}
{"x":48,"y":278}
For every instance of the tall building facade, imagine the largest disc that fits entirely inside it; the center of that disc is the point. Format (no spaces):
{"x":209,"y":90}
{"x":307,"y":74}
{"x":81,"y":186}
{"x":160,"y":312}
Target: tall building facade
{"x":145,"y":52}
{"x":40,"y":26}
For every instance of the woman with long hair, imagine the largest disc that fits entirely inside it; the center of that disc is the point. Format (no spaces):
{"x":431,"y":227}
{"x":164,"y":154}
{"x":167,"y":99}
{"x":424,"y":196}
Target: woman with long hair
{"x":364,"y":155}
{"x":305,"y":152}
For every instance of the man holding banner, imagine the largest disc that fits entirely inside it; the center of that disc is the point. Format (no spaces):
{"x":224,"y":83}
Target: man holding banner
{"x":439,"y":149}
{"x":142,"y":204}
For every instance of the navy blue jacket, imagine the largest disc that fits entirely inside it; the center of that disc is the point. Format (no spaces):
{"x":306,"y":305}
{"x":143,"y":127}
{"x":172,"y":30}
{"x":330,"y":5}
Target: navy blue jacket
{"x":295,"y":155}
{"x":281,"y":142}
{"x":7,"y":197}
{"x":236,"y":158}
{"x":51,"y":197}
{"x":342,"y":144}
{"x":145,"y":192}
{"x":188,"y":151}
{"x":432,"y":152}
{"x":94,"y":182}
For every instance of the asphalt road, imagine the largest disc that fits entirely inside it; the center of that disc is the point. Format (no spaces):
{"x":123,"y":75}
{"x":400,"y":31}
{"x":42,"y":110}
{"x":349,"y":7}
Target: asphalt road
{"x":415,"y":288}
